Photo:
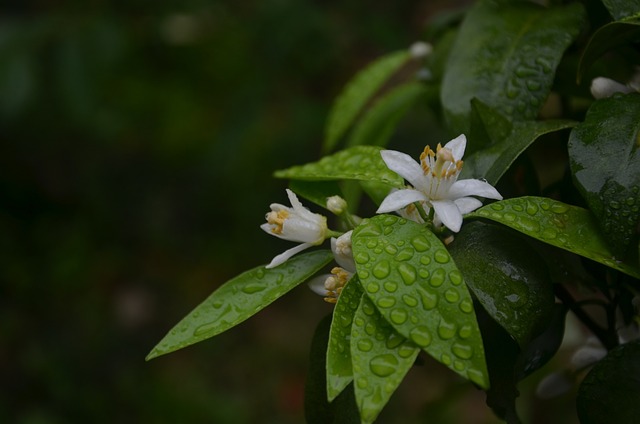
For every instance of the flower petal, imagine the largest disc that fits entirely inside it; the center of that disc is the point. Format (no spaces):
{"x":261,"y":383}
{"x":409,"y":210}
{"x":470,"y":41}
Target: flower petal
{"x":448,"y":213}
{"x":399,"y":199}
{"x":471,"y":187}
{"x":282,"y":258}
{"x":404,"y":165}
{"x":316,"y":284}
{"x":467,"y":204}
{"x":457,"y":146}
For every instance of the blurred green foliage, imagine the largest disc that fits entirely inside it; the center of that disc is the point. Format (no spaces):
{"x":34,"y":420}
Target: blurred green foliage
{"x":138,"y":142}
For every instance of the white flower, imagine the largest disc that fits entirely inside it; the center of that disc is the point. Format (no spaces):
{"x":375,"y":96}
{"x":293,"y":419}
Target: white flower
{"x":330,"y":285}
{"x":336,"y":205}
{"x":435,"y":184}
{"x":602,"y":87}
{"x":341,"y":248}
{"x":294,"y":223}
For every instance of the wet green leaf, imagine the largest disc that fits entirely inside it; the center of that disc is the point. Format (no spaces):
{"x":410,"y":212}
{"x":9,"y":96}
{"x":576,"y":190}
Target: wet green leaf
{"x":621,"y":9}
{"x":339,"y":371}
{"x":378,"y":124}
{"x":610,"y":393}
{"x":316,"y":191}
{"x":606,"y":38}
{"x":357,"y":93}
{"x":494,"y":160}
{"x":409,"y":275}
{"x":380,"y":357}
{"x":605,"y":161}
{"x":355,"y":163}
{"x":556,"y":223}
{"x":505,"y":275}
{"x":505,"y":55}
{"x":240,"y":298}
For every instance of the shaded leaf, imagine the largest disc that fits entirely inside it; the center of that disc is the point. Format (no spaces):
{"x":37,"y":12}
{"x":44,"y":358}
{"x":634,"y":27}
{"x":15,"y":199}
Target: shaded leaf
{"x":379,"y":122}
{"x":410,"y":277}
{"x":621,"y":9}
{"x":555,"y":223}
{"x":354,"y":163}
{"x":338,"y":365}
{"x":605,"y":162}
{"x":505,"y":55}
{"x":240,"y":298}
{"x":610,"y":393}
{"x":316,"y":191}
{"x":505,"y":275}
{"x":357,"y":93}
{"x":381,"y":358}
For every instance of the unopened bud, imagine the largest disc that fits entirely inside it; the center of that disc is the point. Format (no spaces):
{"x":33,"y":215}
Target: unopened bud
{"x":420,"y":50}
{"x":336,"y":205}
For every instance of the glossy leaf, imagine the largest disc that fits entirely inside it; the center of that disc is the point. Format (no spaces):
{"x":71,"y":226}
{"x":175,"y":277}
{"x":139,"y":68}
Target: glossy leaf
{"x":505,"y":275}
{"x":338,"y":366}
{"x":355,"y":163}
{"x":493,"y":161}
{"x":316,"y":191}
{"x":379,"y":122}
{"x":605,"y":160}
{"x":357,"y":93}
{"x":505,"y":55}
{"x":610,"y":393}
{"x":555,"y":223}
{"x":621,"y":9}
{"x":606,"y":38}
{"x":409,"y":275}
{"x":381,"y":358}
{"x":240,"y":298}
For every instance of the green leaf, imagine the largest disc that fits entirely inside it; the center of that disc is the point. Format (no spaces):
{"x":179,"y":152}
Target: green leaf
{"x":410,"y":277}
{"x":621,"y":9}
{"x":493,"y":161}
{"x":355,"y":163}
{"x":379,"y":122}
{"x":316,"y":191}
{"x":505,"y":55}
{"x":505,"y":275}
{"x":610,"y":393}
{"x":240,"y":298}
{"x":488,"y":127}
{"x":357,"y":93}
{"x":605,"y":161}
{"x":338,"y":366}
{"x":381,"y":358}
{"x":555,"y":223}
{"x":606,"y":38}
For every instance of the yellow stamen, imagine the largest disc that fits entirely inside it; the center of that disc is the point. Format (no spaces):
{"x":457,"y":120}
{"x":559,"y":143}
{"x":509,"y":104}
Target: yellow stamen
{"x":277,"y":219}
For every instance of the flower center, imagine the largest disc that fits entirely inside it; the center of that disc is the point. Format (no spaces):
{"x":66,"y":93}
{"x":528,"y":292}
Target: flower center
{"x":277,"y":220}
{"x":439,"y":164}
{"x":335,"y":283}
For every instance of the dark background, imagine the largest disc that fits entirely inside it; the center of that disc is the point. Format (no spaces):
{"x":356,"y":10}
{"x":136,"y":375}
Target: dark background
{"x":137,"y":143}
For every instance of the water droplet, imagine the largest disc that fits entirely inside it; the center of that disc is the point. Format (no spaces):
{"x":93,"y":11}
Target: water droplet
{"x":424,"y":273}
{"x":372,"y":243}
{"x":466,"y":306}
{"x":614,"y":204}
{"x":362,"y":383}
{"x":377,"y":250}
{"x":251,"y":288}
{"x":456,"y":277}
{"x":394,"y":340}
{"x":260,"y":273}
{"x":409,"y":300}
{"x":528,"y":224}
{"x":406,"y":350}
{"x":407,"y":273}
{"x":386,"y":302}
{"x":344,"y":319}
{"x":512,"y":92}
{"x":533,"y":85}
{"x":446,"y":330}
{"x":425,"y":260}
{"x":368,"y":308}
{"x":217,"y":304}
{"x":404,"y":255}
{"x":451,"y":295}
{"x":549,"y":233}
{"x":381,"y":269}
{"x":429,"y":300}
{"x":390,"y":286}
{"x":362,"y":257}
{"x":420,"y":335}
{"x":497,"y":206}
{"x":391,"y":249}
{"x":462,"y":351}
{"x":373,"y":288}
{"x":390,"y":220}
{"x":341,"y":347}
{"x":531,"y":208}
{"x":465,"y":331}
{"x":365,"y":345}
{"x":438,"y":277}
{"x":420,"y":243}
{"x":370,"y":329}
{"x":458,"y":365}
{"x":445,"y":359}
{"x":524,"y":71}
{"x":205,"y":328}
{"x":398,"y":316}
{"x":559,"y":208}
{"x":509,"y":216}
{"x":359,"y":321}
{"x":441,"y":256}
{"x":630,"y":201}
{"x":388,"y":230}
{"x":363,"y":274}
{"x":545,"y":206}
{"x":400,"y":243}
{"x":383,"y":365}
{"x":517,"y":208}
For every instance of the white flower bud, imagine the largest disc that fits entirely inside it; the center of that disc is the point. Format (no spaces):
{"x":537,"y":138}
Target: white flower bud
{"x":420,"y":49}
{"x":336,"y":205}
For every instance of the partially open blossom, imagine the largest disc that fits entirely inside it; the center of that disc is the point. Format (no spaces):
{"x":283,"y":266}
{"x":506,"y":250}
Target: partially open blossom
{"x":434,"y":185}
{"x":602,"y":87}
{"x":295,"y":223}
{"x":330,"y":285}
